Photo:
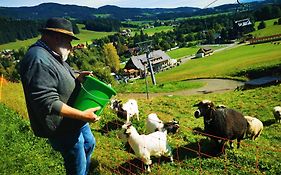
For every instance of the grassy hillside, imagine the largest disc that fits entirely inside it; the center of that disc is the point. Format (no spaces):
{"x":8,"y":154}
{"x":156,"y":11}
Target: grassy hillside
{"x":84,"y":35}
{"x":225,"y":63}
{"x":29,"y":155}
{"x":21,"y":152}
{"x":187,"y":51}
{"x":269,"y":30}
{"x":151,"y":31}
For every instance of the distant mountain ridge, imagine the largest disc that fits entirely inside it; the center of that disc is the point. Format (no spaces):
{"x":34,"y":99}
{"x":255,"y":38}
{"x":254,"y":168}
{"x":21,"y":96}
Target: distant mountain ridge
{"x":47,"y":10}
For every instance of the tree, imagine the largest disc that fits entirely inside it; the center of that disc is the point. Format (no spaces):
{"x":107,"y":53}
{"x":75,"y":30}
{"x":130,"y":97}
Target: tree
{"x":111,"y":57}
{"x":261,"y":25}
{"x":279,"y":21}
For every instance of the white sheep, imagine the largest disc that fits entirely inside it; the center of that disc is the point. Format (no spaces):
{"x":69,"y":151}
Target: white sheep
{"x":126,"y":110}
{"x":277,"y":113}
{"x":144,"y":146}
{"x":153,"y":123}
{"x":255,"y":127}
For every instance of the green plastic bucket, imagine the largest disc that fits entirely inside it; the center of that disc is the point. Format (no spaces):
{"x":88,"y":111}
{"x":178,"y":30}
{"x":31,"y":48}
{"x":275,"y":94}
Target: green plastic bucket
{"x":93,"y":93}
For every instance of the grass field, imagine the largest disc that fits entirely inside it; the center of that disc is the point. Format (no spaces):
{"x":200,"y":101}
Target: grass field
{"x":225,"y":63}
{"x":269,"y":30}
{"x":182,"y":52}
{"x":151,"y":31}
{"x":84,"y":36}
{"x":187,"y":51}
{"x":27,"y":154}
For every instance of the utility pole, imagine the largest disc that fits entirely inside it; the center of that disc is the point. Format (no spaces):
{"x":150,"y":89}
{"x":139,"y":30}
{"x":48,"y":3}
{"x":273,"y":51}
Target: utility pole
{"x":145,"y":47}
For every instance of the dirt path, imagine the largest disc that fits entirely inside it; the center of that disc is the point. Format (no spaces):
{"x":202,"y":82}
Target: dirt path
{"x":212,"y":86}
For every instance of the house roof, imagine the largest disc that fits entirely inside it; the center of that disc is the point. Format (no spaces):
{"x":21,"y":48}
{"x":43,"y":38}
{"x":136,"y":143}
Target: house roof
{"x":154,"y":55}
{"x":205,"y":50}
{"x":243,"y":22}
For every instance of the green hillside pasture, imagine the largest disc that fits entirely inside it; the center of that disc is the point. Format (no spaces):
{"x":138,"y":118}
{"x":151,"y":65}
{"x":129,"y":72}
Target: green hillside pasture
{"x":226,"y":63}
{"x":182,"y":52}
{"x":84,"y":36}
{"x":254,"y":157}
{"x":12,"y":95}
{"x":152,"y":31}
{"x":140,"y":86}
{"x":24,"y":154}
{"x":88,"y":35}
{"x":187,"y":51}
{"x":21,"y":152}
{"x":269,"y":30}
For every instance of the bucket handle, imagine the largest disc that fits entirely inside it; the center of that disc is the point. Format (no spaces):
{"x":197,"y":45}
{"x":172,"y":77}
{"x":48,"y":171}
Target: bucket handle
{"x":92,"y":94}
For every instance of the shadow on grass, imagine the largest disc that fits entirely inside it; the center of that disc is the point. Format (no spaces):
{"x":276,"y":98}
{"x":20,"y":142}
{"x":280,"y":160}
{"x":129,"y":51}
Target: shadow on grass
{"x":136,"y":166}
{"x":94,"y":167}
{"x":111,"y":126}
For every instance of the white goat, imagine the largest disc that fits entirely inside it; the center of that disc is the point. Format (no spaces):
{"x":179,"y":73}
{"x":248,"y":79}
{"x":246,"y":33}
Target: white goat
{"x":277,"y":113}
{"x":153,"y":123}
{"x":255,"y":127}
{"x":144,"y":146}
{"x":126,"y":110}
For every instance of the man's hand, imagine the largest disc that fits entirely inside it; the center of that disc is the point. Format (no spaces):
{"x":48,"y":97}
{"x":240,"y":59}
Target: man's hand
{"x":87,"y":115}
{"x":82,"y":75}
{"x":90,"y":116}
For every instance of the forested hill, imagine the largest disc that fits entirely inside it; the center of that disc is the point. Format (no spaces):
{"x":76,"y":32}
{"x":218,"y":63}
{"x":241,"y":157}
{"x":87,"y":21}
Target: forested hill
{"x":47,"y":10}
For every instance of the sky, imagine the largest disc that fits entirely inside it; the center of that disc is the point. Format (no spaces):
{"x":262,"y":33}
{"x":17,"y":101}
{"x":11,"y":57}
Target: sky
{"x":124,"y":3}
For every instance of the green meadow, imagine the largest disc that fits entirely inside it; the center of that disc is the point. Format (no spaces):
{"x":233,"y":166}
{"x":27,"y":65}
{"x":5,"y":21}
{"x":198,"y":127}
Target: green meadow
{"x":152,"y":31}
{"x":84,"y":36}
{"x":188,"y":51}
{"x":182,"y":52}
{"x":269,"y":30}
{"x":22,"y":153}
{"x":225,"y":63}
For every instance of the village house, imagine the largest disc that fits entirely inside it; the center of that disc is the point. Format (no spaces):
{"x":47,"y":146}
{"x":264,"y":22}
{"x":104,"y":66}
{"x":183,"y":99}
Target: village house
{"x":136,"y":66}
{"x":203,"y":52}
{"x":126,"y":32}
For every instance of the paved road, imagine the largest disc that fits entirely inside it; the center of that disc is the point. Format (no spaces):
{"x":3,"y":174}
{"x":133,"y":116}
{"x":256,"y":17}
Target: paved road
{"x":212,"y":86}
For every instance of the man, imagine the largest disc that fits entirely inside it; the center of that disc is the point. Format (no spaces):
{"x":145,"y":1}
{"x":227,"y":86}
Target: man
{"x":50,"y":87}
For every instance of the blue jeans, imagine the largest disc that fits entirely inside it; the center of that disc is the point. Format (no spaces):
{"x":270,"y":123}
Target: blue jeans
{"x":76,"y":149}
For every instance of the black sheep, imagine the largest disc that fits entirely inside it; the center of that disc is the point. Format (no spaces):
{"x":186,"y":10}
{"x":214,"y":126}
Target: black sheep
{"x":222,"y":122}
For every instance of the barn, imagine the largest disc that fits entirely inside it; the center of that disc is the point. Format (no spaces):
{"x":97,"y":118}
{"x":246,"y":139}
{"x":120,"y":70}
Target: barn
{"x":203,"y":52}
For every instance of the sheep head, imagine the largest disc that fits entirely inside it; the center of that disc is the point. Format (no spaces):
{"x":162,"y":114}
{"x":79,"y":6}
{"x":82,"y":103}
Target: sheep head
{"x":204,"y":107}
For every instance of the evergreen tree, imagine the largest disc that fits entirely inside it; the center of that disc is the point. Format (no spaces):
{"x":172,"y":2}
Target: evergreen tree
{"x":261,"y":25}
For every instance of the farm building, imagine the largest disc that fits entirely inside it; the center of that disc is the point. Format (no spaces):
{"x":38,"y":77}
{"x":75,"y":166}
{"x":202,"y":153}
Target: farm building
{"x":203,"y":52}
{"x":243,"y":22}
{"x":137,"y":64}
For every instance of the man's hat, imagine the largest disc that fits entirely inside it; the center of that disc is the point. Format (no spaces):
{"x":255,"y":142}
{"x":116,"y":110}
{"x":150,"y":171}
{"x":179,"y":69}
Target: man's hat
{"x":59,"y":25}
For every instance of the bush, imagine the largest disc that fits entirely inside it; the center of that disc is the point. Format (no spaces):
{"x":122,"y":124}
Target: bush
{"x":261,"y":25}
